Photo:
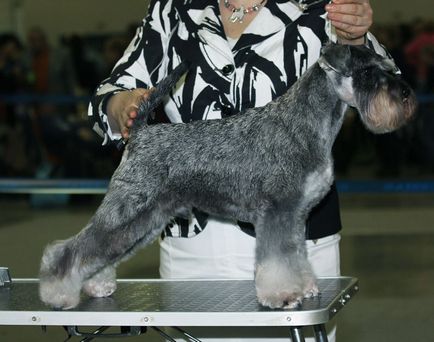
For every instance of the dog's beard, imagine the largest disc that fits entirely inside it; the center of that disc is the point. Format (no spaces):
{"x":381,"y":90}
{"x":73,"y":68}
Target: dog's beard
{"x":388,"y":110}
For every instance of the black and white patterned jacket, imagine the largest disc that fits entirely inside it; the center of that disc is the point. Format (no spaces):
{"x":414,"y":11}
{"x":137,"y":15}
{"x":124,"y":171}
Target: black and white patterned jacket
{"x":277,"y":47}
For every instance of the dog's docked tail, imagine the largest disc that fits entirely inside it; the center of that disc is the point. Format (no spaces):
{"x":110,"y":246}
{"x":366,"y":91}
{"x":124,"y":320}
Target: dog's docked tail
{"x":156,"y":96}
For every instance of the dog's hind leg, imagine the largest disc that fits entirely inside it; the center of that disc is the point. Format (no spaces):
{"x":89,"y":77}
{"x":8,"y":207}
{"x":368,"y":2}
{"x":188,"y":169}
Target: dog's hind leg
{"x":123,"y":222}
{"x":283,"y":274}
{"x":103,"y":283}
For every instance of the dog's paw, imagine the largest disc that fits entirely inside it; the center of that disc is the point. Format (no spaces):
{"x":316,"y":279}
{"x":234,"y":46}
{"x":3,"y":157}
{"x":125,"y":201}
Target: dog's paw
{"x":60,"y":282}
{"x":280,"y":299}
{"x":311,"y":288}
{"x":280,"y":286}
{"x":59,"y":294}
{"x":99,"y":289}
{"x":102,"y":284}
{"x":287,"y":296}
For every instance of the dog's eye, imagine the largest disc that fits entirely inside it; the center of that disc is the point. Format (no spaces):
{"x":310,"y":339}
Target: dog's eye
{"x":364,"y":73}
{"x":405,"y":92}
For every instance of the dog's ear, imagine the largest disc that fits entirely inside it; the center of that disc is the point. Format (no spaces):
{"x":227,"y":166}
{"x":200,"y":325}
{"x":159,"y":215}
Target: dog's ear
{"x":336,"y":58}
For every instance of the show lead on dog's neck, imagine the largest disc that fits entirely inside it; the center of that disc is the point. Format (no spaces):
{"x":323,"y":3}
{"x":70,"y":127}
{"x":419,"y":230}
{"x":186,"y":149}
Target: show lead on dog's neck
{"x":243,"y":54}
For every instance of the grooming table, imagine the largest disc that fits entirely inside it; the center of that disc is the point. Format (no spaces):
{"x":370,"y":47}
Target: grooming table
{"x":138,"y":304}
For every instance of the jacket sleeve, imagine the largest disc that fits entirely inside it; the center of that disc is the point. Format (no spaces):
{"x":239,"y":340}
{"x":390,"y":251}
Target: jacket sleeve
{"x":143,"y":63}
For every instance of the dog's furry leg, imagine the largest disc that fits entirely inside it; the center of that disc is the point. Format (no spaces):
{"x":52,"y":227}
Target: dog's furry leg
{"x":58,"y":290}
{"x":283,"y":273}
{"x":120,"y":225}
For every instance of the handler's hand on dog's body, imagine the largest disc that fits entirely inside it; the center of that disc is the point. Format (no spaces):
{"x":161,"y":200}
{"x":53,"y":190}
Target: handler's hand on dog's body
{"x":122,"y":109}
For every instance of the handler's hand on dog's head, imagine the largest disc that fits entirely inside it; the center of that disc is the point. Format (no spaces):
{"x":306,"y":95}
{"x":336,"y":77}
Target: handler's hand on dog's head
{"x":351,"y":19}
{"x":122,"y":109}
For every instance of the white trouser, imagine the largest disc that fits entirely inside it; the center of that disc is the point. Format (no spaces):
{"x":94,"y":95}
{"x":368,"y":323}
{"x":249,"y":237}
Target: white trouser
{"x":223,"y":251}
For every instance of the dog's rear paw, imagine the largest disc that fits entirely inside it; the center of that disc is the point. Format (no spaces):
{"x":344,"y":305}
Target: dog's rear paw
{"x":98,"y":289}
{"x":102,"y":284}
{"x":58,"y":294}
{"x":60,"y":282}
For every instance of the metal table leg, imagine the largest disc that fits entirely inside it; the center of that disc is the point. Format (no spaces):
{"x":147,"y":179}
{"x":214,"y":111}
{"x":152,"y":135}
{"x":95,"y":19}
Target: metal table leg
{"x":296,"y":334}
{"x":320,"y":333}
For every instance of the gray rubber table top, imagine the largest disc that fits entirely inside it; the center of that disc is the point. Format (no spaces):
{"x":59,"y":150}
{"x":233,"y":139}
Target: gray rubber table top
{"x":174,"y":303}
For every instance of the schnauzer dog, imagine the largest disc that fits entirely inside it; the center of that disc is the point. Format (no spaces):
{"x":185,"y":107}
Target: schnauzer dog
{"x":285,"y":170}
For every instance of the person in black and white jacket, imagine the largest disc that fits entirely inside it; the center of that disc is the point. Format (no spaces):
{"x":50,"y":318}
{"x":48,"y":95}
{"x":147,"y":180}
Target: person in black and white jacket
{"x":244,"y":53}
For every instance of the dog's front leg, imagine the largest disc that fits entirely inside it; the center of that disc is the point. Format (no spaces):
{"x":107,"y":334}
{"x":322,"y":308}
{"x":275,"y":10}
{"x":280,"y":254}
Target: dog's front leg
{"x":283,"y":274}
